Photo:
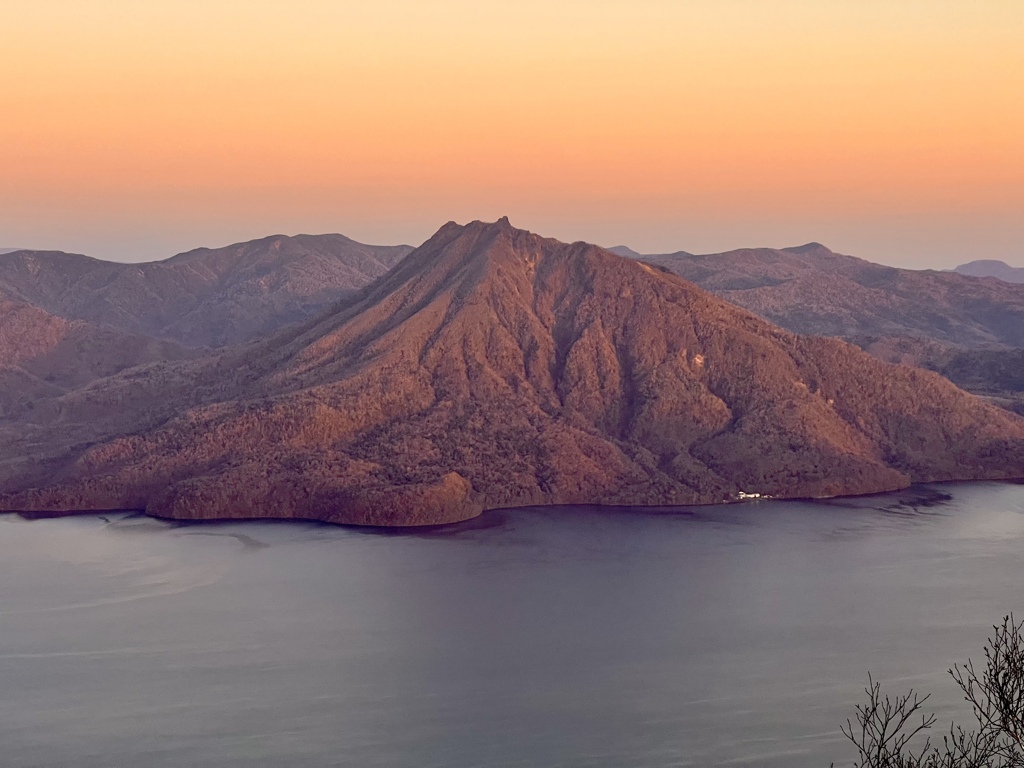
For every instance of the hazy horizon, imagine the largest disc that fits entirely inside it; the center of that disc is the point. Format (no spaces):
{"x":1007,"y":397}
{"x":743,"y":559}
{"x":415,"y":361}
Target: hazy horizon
{"x":147,"y":252}
{"x":888,"y":131}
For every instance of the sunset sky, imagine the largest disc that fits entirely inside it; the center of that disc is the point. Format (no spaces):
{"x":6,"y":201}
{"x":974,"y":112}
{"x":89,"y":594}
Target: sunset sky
{"x":893,"y":130}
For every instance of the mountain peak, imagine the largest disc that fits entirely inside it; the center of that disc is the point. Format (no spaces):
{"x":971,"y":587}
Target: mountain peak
{"x":992,"y":268}
{"x":625,"y":251}
{"x":502,"y":225}
{"x":812,"y":247}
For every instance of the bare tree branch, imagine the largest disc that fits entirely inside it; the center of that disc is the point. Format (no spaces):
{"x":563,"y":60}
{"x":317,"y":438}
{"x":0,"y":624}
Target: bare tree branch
{"x":891,"y":732}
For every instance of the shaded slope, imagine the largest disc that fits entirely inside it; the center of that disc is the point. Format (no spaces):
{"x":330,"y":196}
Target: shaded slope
{"x":44,"y":356}
{"x":206,"y":297}
{"x":493,"y":367}
{"x":995,"y":374}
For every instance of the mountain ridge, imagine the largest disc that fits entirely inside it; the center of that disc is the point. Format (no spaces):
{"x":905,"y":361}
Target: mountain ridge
{"x":203,"y":297}
{"x":813,"y":290}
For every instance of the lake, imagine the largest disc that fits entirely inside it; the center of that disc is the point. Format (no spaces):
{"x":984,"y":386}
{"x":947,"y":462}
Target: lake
{"x":569,"y":637}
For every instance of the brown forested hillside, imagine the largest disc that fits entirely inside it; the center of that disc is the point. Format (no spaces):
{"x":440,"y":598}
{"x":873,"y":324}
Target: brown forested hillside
{"x":44,"y":356}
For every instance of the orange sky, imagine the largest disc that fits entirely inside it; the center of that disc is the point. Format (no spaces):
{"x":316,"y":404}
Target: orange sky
{"x":892,"y":130}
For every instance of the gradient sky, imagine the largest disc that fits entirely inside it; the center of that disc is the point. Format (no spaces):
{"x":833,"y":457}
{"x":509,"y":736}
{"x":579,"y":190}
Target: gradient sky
{"x":890,"y":129}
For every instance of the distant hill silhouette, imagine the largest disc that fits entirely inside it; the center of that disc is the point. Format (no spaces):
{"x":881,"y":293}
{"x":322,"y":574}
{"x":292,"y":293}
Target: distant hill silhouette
{"x":205,"y":297}
{"x":992,"y":268}
{"x":622,"y":250}
{"x":493,"y":367}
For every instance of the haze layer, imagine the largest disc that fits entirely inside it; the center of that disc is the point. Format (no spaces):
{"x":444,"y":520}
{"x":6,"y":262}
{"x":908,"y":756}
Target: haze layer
{"x":891,"y":130}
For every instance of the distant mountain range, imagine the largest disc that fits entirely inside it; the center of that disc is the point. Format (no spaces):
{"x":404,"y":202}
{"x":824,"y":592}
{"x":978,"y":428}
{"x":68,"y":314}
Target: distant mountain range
{"x":206,"y":297}
{"x":810,"y":289}
{"x":991,"y":268}
{"x":492,"y":367}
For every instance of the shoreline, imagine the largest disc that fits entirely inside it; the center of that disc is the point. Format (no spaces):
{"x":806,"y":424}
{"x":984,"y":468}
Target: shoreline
{"x":914,"y":496}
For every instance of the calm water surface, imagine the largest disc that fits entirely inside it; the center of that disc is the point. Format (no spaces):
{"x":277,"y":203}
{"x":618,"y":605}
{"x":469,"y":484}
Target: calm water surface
{"x":568,"y":637}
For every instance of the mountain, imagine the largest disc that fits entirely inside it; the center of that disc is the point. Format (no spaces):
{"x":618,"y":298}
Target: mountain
{"x":10,"y":250}
{"x":206,"y":297}
{"x":45,"y":356}
{"x":625,"y":252}
{"x":810,"y":289}
{"x":628,"y":253}
{"x":491,"y":368}
{"x":992,"y":268}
